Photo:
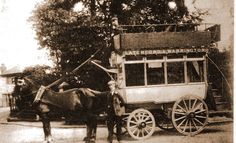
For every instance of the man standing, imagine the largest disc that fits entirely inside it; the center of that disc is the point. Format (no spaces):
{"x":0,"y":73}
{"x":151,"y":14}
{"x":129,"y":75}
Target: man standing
{"x":115,"y":109}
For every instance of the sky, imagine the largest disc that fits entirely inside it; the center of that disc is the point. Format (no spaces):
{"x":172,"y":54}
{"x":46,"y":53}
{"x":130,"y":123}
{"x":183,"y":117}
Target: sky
{"x":18,"y":46}
{"x":220,"y":12}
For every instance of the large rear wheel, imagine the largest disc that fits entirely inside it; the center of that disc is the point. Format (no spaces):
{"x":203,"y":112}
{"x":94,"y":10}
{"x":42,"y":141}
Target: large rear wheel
{"x":189,"y":115}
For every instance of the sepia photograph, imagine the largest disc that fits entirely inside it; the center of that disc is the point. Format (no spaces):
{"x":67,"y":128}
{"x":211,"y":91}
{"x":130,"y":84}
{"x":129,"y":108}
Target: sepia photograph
{"x":117,"y":71}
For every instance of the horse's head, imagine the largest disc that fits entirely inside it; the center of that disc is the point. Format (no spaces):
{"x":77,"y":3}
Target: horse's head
{"x":30,"y":86}
{"x":33,"y":85}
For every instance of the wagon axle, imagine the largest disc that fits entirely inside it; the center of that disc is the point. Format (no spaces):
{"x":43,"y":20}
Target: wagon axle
{"x":142,"y":125}
{"x":190,"y":115}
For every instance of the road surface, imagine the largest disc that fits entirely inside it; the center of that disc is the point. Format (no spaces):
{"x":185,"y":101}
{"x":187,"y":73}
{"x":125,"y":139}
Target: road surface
{"x":31,"y":132}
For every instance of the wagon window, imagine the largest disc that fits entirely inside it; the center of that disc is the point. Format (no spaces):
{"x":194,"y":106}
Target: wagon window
{"x":175,"y":72}
{"x":155,"y":73}
{"x":195,"y":71}
{"x":134,"y":74}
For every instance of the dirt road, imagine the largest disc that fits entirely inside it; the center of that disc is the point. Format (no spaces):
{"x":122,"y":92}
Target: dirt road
{"x":22,"y":132}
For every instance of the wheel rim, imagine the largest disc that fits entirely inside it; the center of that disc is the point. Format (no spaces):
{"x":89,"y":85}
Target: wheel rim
{"x":189,"y":115}
{"x":164,"y":123}
{"x":140,"y":124}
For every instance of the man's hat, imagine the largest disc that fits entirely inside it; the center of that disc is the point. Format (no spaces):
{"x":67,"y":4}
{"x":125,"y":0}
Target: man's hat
{"x":112,"y":82}
{"x":114,"y":18}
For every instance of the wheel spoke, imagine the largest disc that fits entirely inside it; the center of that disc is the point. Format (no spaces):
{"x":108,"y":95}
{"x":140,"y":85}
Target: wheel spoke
{"x":138,"y":133}
{"x":145,"y":129}
{"x":149,"y":122}
{"x":138,"y":116}
{"x":185,"y":105}
{"x":190,"y":126}
{"x":200,"y":111}
{"x":198,"y":121}
{"x":149,"y":127}
{"x":142,"y":116}
{"x":142,"y":133}
{"x":135,"y":130}
{"x":147,"y":118}
{"x":131,"y":127}
{"x":180,"y":113}
{"x":133,"y":122}
{"x":189,"y":104}
{"x":135,"y":118}
{"x":180,"y":118}
{"x":199,"y":106}
{"x":181,"y":108}
{"x":194,"y":124}
{"x":185,"y":126}
{"x":181,"y":123}
{"x":195,"y":101}
{"x":198,"y":116}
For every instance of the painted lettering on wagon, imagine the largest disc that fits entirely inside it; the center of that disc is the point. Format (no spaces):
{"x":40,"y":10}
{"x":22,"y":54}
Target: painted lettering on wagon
{"x":164,"y":51}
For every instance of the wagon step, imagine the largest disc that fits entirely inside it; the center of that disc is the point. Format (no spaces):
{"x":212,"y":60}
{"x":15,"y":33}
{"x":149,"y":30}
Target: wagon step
{"x":221,"y":102}
{"x":226,"y":113}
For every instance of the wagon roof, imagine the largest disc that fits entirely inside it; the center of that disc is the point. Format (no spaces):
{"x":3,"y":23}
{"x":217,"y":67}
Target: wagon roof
{"x":167,"y":39}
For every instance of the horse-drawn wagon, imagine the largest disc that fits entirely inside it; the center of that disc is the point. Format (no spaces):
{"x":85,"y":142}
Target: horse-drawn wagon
{"x":162,"y":76}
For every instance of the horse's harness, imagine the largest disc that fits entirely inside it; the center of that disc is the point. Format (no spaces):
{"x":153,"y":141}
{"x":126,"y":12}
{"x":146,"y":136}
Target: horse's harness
{"x":39,"y":94}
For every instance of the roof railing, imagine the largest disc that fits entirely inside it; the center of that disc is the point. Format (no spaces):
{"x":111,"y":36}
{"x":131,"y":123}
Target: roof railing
{"x":180,"y":27}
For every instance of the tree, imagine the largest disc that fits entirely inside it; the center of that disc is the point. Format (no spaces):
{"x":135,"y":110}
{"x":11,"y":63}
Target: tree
{"x":72,"y":36}
{"x":42,"y":75}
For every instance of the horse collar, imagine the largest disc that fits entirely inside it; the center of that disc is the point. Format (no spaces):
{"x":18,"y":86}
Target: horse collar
{"x":39,"y":94}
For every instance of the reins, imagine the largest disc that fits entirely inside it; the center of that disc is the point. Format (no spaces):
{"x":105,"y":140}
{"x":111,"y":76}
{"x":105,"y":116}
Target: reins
{"x":74,"y":71}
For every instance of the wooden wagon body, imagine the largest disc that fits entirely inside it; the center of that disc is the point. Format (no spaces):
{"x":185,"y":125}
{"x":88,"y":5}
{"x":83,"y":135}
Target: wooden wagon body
{"x":162,"y":75}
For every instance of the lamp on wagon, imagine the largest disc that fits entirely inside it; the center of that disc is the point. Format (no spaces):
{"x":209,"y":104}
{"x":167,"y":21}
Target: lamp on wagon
{"x":172,"y":5}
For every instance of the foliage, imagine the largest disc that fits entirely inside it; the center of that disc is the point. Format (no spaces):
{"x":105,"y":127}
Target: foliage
{"x":43,"y":75}
{"x":73,"y":36}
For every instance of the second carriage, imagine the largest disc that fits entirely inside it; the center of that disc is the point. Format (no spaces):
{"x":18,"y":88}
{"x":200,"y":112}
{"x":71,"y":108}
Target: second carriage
{"x":162,"y":76}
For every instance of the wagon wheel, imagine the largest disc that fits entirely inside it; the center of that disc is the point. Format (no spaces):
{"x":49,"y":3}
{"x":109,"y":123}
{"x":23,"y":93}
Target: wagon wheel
{"x":140,"y":124}
{"x":189,"y":115}
{"x":163,"y":122}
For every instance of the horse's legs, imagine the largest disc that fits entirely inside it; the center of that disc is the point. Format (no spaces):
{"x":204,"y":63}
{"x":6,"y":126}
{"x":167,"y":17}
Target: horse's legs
{"x":94,"y":128}
{"x":46,"y":127}
{"x":88,"y":132}
{"x":91,"y":125}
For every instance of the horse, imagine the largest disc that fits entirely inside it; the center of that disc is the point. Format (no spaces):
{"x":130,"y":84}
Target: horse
{"x":80,"y":101}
